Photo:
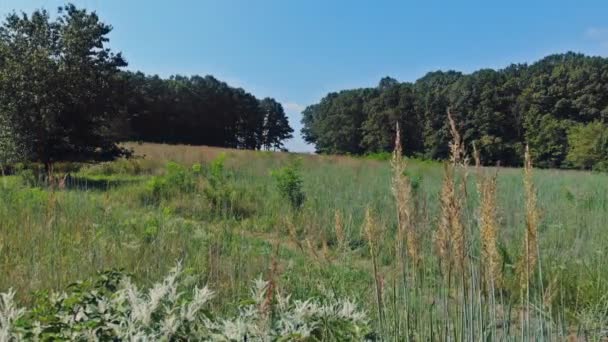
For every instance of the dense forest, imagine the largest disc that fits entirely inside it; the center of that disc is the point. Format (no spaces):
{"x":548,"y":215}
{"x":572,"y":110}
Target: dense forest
{"x":65,"y":96}
{"x":558,"y":105}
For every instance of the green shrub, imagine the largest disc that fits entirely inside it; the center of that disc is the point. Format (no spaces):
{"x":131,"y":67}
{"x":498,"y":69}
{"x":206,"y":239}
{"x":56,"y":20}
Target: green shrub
{"x":289,"y":182}
{"x":380,"y":156}
{"x":219,"y":190}
{"x":177,"y":179}
{"x":29,"y":177}
{"x":588,"y":146}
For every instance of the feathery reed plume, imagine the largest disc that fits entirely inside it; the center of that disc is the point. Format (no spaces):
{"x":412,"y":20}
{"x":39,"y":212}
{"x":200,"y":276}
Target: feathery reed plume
{"x":458,"y":157}
{"x":529,"y":257}
{"x":451,"y":234}
{"x":372,"y":233}
{"x":488,"y":226}
{"x":402,"y":190}
{"x":442,"y":237}
{"x":449,"y":231}
{"x":489,"y":231}
{"x":456,"y":146}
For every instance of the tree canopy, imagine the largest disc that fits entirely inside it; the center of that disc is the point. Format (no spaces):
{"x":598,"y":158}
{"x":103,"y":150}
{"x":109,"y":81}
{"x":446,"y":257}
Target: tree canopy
{"x":499,"y":110}
{"x":58,"y":84}
{"x":588,"y":146}
{"x":201,"y":111}
{"x":64,"y":96}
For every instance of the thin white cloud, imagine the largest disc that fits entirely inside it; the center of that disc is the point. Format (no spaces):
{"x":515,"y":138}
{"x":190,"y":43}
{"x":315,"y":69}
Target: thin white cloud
{"x":293,"y":107}
{"x":598,"y":34}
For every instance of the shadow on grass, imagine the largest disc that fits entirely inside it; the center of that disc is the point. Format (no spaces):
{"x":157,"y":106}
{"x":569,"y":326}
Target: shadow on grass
{"x":100,"y":184}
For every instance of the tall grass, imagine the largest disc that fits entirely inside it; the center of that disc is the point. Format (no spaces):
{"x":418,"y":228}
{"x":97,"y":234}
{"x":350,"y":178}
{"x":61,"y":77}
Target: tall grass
{"x":425,"y":256}
{"x":465,"y":295}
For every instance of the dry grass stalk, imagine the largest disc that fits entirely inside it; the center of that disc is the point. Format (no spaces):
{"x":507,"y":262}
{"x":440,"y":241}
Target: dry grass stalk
{"x":402,"y":190}
{"x":312,"y":250}
{"x":370,"y":229}
{"x":325,"y":249}
{"x":551,"y":292}
{"x":489,"y":232}
{"x":293,"y":233}
{"x":529,"y":258}
{"x":372,"y":233}
{"x":451,"y":233}
{"x":459,"y":159}
{"x":339,"y":230}
{"x":488,"y":225}
{"x":442,"y":237}
{"x":456,"y":145}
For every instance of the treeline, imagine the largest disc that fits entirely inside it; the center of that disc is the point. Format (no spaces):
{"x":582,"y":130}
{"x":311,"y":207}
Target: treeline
{"x":558,"y":105}
{"x":201,"y":111}
{"x":64,"y":96}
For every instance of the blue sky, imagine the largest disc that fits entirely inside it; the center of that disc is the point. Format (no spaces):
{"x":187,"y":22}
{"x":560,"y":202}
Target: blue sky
{"x":296,"y":51}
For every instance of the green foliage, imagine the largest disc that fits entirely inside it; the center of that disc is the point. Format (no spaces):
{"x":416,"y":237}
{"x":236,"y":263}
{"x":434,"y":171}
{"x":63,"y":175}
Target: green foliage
{"x":276,"y":125}
{"x":588,"y":146}
{"x":23,"y":196}
{"x":548,"y":139}
{"x":379,"y":156}
{"x":219,"y":190}
{"x":28,"y":177}
{"x":201,"y":111}
{"x":12,"y":144}
{"x":58,"y":84}
{"x":63,"y":96}
{"x":176,"y":180}
{"x":289,"y":183}
{"x":499,"y":110}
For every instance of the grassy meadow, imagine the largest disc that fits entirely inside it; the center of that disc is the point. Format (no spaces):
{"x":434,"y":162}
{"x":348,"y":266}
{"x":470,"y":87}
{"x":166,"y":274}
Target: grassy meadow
{"x":221,"y":214}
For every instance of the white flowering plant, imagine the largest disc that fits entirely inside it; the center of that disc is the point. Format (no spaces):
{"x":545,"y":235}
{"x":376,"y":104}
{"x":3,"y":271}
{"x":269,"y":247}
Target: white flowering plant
{"x":112,"y":308}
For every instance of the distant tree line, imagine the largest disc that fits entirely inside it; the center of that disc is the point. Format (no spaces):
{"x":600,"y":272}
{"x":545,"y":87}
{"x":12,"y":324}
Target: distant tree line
{"x":64,"y":96}
{"x":201,"y":111}
{"x":558,"y":105}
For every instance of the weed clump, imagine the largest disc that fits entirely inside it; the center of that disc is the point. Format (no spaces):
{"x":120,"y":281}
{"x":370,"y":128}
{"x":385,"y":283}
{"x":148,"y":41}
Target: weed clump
{"x":178,"y":179}
{"x":289,"y":182}
{"x":219,"y":190}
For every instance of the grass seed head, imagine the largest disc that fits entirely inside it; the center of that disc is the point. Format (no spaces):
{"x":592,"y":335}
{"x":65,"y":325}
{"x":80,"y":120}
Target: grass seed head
{"x":528,"y":260}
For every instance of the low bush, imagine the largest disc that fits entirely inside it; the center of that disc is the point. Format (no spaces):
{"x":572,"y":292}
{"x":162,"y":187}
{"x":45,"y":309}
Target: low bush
{"x":380,"y":156}
{"x":289,"y":182}
{"x":177,"y":179}
{"x":219,"y":190}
